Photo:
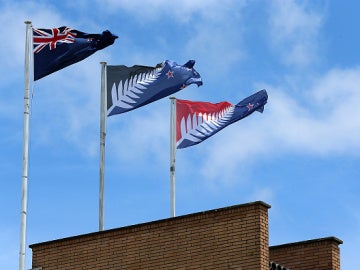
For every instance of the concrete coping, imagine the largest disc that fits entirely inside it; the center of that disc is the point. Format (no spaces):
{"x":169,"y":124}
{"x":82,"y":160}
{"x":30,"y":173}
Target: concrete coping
{"x":311,"y":241}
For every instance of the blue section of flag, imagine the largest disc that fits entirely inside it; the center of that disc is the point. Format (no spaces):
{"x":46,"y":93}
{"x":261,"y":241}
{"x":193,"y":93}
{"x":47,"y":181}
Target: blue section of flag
{"x":58,"y":48}
{"x":129,"y":88}
{"x":196,"y":128}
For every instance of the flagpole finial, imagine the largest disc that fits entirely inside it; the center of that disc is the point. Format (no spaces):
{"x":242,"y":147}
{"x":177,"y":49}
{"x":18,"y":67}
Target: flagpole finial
{"x":103,"y":63}
{"x":27,"y":22}
{"x":172,"y":97}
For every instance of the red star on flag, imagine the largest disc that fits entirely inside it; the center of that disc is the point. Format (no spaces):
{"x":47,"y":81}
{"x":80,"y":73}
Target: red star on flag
{"x":250,"y":106}
{"x":170,"y":74}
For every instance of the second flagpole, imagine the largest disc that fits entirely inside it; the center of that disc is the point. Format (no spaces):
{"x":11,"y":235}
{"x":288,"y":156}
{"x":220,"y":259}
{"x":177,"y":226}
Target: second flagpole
{"x":172,"y":154}
{"x":102,"y":144}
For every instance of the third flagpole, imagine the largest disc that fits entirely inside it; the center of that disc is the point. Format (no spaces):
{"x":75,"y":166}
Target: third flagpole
{"x":172,"y":154}
{"x":102,"y":144}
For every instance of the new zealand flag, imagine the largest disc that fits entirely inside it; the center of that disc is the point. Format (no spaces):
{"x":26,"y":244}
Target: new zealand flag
{"x":197,"y":121}
{"x":129,"y":88}
{"x":58,"y":48}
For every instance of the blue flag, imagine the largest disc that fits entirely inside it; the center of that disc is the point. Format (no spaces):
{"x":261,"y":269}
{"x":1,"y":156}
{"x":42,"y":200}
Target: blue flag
{"x":129,"y":88}
{"x":197,"y":121}
{"x":58,"y":48}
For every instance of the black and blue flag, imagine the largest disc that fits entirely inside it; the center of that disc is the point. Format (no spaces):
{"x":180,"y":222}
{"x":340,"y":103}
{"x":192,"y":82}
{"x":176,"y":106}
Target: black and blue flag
{"x":129,"y":88}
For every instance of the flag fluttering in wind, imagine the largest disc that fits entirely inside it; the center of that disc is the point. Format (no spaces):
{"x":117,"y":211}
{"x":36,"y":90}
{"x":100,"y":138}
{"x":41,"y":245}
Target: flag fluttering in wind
{"x":57,"y":48}
{"x":129,"y":88}
{"x":197,"y":121}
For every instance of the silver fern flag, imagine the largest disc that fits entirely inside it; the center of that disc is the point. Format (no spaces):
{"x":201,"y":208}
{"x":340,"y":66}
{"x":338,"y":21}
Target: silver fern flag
{"x":197,"y":121}
{"x":129,"y":88}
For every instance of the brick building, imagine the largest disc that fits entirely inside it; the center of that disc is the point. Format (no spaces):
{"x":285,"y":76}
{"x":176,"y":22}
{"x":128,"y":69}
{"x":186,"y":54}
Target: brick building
{"x":233,"y":237}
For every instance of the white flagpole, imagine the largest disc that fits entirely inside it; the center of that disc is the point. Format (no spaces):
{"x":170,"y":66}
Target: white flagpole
{"x":102,"y":144}
{"x":172,"y":154}
{"x":25,"y":158}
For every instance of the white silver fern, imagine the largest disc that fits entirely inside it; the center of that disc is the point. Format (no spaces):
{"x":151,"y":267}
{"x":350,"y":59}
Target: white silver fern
{"x":197,"y":127}
{"x":132,"y":90}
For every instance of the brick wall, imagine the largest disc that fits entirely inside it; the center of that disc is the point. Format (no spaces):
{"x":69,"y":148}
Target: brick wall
{"x":228,"y":238}
{"x":317,"y":254}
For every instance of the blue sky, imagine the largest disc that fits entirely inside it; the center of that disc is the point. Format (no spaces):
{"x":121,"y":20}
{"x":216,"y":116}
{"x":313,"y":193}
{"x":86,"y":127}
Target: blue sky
{"x":301,"y":155}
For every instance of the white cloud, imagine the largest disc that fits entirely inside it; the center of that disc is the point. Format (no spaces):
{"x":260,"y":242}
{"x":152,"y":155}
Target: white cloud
{"x":218,"y":46}
{"x":325,"y":124}
{"x":264,"y":194}
{"x":182,"y":11}
{"x":338,"y":85}
{"x":137,"y":138}
{"x":227,"y":157}
{"x":71,"y":109}
{"x":294,"y":32}
{"x":13,"y":16}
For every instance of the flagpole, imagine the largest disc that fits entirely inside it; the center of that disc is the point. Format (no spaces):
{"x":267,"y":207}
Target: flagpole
{"x":25,"y":157}
{"x":102,"y":144}
{"x":172,"y":154}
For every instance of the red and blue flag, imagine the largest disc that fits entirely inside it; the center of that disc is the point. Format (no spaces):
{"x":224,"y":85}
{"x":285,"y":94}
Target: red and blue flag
{"x":57,"y":48}
{"x":197,"y":121}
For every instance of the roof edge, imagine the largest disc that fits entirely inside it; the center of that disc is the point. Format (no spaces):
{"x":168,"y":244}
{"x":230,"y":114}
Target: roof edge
{"x":155,"y":222}
{"x":330,"y":238}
